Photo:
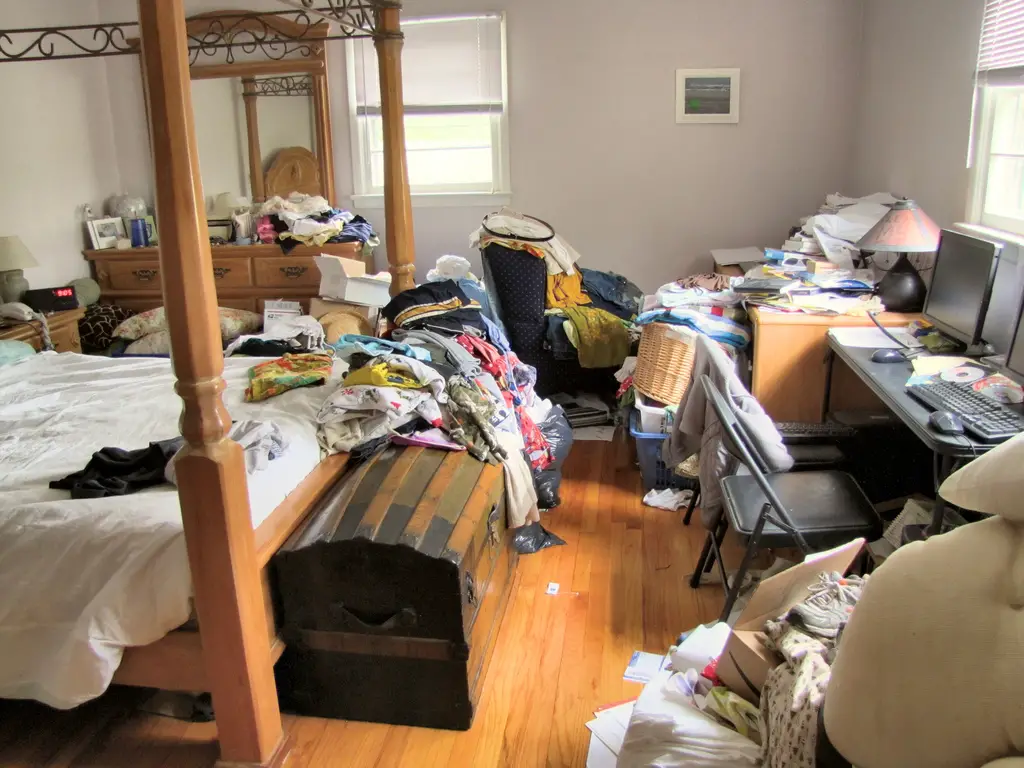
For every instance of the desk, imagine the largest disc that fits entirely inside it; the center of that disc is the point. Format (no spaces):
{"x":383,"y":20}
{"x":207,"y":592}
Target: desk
{"x":791,"y":364}
{"x":888,"y":382}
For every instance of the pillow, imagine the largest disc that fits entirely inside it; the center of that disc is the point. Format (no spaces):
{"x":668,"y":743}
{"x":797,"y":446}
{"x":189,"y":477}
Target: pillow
{"x":158,"y":343}
{"x":233,"y":323}
{"x":13,"y":351}
{"x":992,"y":483}
{"x":97,"y":327}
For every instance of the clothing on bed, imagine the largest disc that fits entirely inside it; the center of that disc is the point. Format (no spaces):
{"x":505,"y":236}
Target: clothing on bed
{"x":350,"y":344}
{"x":269,"y":379}
{"x":262,"y":442}
{"x":442,"y":305}
{"x":117,"y":472}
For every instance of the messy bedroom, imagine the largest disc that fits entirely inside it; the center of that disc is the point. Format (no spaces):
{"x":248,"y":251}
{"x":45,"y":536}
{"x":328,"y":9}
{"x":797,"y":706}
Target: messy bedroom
{"x":511,"y":383}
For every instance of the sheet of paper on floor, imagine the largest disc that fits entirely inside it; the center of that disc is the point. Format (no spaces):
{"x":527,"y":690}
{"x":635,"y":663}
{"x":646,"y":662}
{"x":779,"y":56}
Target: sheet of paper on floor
{"x":643,"y":666}
{"x":610,"y":725}
{"x":604,"y":434}
{"x":872,"y":337}
{"x":599,"y":756}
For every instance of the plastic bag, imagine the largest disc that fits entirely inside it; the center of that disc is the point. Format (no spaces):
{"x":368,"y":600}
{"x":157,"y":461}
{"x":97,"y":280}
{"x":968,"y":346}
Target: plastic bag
{"x":449,"y":268}
{"x":533,"y":538}
{"x":558,"y":434}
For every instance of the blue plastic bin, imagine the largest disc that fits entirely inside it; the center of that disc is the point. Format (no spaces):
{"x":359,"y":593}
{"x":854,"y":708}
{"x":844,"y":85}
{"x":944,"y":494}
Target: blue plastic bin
{"x":648,"y":453}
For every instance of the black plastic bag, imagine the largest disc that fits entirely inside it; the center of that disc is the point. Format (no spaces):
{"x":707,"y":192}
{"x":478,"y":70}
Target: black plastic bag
{"x":558,"y":433}
{"x":533,"y":538}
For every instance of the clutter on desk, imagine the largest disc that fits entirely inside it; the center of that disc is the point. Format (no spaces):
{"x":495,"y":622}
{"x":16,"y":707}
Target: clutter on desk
{"x":928,"y":336}
{"x":803,"y":290}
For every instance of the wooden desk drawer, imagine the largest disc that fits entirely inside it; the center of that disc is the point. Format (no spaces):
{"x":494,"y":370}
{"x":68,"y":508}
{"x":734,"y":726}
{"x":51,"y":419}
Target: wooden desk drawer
{"x":287,"y":272}
{"x":232,"y":273}
{"x":66,"y":339}
{"x":131,"y":275}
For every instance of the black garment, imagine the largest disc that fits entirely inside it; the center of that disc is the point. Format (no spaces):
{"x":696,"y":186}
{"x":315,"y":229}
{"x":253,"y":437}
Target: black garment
{"x":117,"y":472}
{"x":426,"y":307}
{"x":269,"y":348}
{"x":557,"y":340}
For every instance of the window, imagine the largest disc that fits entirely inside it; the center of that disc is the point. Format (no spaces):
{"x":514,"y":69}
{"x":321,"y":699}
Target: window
{"x":453,"y":78}
{"x":997,"y":198}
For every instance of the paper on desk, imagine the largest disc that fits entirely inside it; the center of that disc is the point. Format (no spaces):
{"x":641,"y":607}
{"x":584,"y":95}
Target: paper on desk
{"x":728,"y":256}
{"x":872,"y":337}
{"x":929,"y":365}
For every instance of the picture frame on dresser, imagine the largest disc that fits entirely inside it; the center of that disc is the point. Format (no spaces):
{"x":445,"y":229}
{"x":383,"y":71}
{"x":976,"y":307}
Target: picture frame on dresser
{"x":104,"y":233}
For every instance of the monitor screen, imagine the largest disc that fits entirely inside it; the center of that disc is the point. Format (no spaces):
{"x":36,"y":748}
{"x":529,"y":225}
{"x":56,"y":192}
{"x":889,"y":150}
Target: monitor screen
{"x":965,"y":268}
{"x":1015,"y":355}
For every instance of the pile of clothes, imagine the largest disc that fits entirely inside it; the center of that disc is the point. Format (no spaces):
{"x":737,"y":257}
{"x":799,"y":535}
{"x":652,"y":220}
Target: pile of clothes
{"x":588,"y":314}
{"x":705,"y":304}
{"x":311,"y":220}
{"x":447,"y":378}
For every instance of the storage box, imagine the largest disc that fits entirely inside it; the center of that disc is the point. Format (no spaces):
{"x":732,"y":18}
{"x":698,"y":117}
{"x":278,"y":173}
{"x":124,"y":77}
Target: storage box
{"x":746,"y":662}
{"x":653,"y":417}
{"x":346,"y":279}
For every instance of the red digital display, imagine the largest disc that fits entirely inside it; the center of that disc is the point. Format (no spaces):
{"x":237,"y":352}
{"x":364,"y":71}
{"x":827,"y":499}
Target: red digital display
{"x":64,"y":292}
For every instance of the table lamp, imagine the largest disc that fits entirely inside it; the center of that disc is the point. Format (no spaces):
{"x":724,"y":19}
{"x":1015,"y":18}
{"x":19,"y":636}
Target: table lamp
{"x":14,"y":257}
{"x":904,"y":229}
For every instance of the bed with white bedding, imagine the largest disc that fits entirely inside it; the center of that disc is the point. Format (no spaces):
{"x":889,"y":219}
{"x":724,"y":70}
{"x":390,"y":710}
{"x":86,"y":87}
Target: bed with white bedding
{"x":82,"y":579}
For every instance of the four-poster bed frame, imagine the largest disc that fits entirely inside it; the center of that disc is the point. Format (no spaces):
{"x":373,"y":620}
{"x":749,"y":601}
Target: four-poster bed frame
{"x":233,"y":652}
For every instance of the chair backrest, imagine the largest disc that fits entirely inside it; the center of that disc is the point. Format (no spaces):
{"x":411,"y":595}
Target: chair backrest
{"x":743,"y":447}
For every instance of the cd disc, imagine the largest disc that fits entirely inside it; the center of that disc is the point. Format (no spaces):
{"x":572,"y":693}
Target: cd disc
{"x":962,"y":375}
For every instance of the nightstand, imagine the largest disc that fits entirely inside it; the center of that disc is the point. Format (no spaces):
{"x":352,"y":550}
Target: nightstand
{"x":63,"y":331}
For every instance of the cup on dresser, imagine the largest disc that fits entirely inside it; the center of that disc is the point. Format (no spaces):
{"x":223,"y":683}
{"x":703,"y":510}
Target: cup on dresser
{"x":139,"y":233}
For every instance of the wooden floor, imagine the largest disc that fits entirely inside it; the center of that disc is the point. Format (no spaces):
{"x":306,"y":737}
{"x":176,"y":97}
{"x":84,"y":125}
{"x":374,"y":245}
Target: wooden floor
{"x":622,"y":587}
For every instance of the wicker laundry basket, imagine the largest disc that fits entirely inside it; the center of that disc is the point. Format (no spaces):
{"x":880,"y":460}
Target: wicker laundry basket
{"x":665,"y":362}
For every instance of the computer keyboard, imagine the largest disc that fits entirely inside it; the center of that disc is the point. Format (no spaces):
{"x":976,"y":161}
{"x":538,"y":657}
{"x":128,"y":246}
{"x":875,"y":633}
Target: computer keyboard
{"x":796,"y":432}
{"x":984,"y":418}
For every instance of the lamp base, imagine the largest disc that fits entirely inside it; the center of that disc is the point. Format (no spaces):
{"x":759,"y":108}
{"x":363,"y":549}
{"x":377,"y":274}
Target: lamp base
{"x":902,"y":289}
{"x":12,"y":285}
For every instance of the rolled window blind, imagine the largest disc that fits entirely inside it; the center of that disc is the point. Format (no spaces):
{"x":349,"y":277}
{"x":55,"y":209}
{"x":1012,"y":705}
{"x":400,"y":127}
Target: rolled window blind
{"x":1002,"y":37}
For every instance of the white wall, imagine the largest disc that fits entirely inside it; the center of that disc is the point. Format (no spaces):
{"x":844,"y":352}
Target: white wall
{"x":57,"y":148}
{"x":595,"y":148}
{"x":916,"y":99}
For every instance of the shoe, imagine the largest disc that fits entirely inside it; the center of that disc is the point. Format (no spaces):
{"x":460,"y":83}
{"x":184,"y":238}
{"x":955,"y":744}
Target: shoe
{"x":829,"y":606}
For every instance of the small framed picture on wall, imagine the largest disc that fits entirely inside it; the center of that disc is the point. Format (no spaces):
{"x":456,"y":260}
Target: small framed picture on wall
{"x":707,"y":95}
{"x":104,"y":233}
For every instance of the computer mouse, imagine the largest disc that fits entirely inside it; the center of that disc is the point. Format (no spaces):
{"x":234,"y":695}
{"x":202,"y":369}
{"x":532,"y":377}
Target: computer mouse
{"x":946,"y":423}
{"x":887,"y":356}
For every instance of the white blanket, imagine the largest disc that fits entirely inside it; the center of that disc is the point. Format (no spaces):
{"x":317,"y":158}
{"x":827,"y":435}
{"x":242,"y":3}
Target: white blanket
{"x":83,"y":579}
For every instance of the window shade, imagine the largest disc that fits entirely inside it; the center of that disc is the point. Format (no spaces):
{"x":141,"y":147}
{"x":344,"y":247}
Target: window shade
{"x":448,"y":64}
{"x":1002,"y":36}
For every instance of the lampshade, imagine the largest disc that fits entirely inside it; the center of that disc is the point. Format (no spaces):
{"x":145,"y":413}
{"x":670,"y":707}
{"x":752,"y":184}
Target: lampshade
{"x":14,"y":254}
{"x":226,"y":204}
{"x":904,"y":229}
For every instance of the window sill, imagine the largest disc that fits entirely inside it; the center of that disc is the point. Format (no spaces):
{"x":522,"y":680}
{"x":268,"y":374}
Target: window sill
{"x":440,"y":200}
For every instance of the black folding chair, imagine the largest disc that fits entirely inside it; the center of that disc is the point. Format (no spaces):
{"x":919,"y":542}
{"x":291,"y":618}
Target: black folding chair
{"x":814,"y":510}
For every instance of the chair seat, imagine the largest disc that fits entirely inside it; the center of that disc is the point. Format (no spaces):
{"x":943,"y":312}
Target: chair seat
{"x":826,"y":507}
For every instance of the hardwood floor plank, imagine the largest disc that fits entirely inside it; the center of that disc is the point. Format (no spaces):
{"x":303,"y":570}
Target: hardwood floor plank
{"x":622,"y":579}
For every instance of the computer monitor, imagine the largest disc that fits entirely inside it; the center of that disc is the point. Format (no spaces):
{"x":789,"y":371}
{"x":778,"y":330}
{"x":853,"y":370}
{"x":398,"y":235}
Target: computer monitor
{"x":965,"y":269}
{"x":1015,"y":355}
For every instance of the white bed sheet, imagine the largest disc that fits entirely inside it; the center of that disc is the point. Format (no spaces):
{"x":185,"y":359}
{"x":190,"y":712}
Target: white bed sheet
{"x":80,"y":580}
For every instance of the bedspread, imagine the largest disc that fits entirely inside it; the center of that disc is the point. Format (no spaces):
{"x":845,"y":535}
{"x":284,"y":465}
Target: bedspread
{"x":80,"y":580}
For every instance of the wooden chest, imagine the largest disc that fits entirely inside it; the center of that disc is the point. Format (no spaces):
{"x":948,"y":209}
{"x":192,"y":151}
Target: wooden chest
{"x":392,"y":593}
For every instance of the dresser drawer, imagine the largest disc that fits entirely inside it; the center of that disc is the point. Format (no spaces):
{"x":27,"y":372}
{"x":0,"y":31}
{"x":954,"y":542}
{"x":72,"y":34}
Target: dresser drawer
{"x":287,"y":272}
{"x":142,"y":275}
{"x":232,"y":273}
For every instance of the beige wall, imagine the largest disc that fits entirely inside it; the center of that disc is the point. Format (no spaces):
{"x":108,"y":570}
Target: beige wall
{"x":915,"y":110}
{"x":56,"y":145}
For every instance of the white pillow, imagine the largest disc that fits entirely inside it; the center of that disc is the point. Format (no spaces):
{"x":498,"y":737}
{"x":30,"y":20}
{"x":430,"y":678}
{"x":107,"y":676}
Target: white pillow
{"x":158,"y":343}
{"x":992,"y":483}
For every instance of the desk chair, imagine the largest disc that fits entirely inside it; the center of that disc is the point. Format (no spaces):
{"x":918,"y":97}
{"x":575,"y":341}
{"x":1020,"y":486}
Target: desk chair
{"x":814,"y":510}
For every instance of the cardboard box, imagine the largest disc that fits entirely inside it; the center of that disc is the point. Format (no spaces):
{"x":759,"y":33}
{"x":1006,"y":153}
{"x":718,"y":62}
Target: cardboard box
{"x":346,"y":280}
{"x":746,"y":662}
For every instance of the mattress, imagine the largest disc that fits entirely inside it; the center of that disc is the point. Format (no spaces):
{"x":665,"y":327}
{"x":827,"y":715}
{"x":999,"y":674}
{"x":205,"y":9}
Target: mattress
{"x":83,"y":579}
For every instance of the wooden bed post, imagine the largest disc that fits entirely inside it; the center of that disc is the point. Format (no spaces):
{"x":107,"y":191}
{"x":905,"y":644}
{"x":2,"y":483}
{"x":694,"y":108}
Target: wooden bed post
{"x":252,"y":132}
{"x":324,"y":127}
{"x":211,"y":473}
{"x":397,"y":200}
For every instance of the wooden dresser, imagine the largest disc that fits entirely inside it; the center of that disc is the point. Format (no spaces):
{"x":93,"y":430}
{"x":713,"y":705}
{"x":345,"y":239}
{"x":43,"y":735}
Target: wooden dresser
{"x":63,"y":331}
{"x":245,"y":275}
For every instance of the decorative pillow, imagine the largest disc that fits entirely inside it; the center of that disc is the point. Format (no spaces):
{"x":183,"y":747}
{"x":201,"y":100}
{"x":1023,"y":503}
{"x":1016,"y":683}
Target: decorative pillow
{"x":13,"y":351}
{"x":236,"y":322}
{"x":158,"y":343}
{"x":97,"y":328}
{"x":233,"y":323}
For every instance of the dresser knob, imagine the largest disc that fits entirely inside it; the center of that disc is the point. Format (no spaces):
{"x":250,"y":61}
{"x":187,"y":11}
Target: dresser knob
{"x":219,"y":272}
{"x":145,"y":275}
{"x":294,"y":273}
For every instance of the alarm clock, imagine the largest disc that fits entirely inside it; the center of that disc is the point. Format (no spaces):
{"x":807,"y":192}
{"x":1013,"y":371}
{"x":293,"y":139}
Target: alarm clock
{"x":51,"y":299}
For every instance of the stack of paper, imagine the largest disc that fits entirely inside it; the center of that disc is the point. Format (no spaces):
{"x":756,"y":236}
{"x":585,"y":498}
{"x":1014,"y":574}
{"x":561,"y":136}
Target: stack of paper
{"x":608,"y":730}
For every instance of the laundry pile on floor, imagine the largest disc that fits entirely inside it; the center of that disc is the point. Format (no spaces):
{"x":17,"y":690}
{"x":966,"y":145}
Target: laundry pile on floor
{"x":705,"y":304}
{"x":311,"y":220}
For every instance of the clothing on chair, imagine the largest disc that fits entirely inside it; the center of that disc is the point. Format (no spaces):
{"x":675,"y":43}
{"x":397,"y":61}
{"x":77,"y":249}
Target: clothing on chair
{"x":696,"y":428}
{"x":566,"y":291}
{"x":603,"y":341}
